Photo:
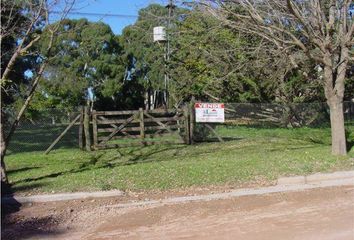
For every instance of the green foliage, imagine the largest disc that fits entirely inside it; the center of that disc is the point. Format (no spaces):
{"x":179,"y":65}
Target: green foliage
{"x":207,"y":59}
{"x":85,"y":55}
{"x":144,"y":57}
{"x":14,"y":21}
{"x":202,"y":56}
{"x":298,"y":87}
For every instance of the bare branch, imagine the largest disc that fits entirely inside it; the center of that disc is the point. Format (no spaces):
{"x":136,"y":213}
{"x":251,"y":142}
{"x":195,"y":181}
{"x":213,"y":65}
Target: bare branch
{"x":38,"y":11}
{"x":33,"y":21}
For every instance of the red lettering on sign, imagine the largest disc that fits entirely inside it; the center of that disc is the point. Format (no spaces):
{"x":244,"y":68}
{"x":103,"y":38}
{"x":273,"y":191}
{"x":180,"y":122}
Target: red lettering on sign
{"x":209,"y":105}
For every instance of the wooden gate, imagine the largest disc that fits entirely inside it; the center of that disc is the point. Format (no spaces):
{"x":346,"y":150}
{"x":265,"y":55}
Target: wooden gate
{"x":113,"y":129}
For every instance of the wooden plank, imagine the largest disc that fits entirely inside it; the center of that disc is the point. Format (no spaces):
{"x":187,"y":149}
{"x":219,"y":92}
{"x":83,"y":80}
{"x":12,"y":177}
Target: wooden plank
{"x":115,"y":126}
{"x":165,"y":119}
{"x":87,"y":128}
{"x":142,"y":127}
{"x":119,"y":137}
{"x":94,"y":128}
{"x":159,"y":134}
{"x":127,"y":134}
{"x":104,"y":130}
{"x":165,"y":126}
{"x":62,"y":134}
{"x":81,"y":129}
{"x":109,"y":113}
{"x":147,"y":136}
{"x":142,"y":143}
{"x":186,"y":124}
{"x":171,"y":127}
{"x":114,"y":121}
{"x":163,"y":111}
{"x":127,"y":112}
{"x":146,"y":120}
{"x":191,"y":119}
{"x":137,"y":129}
{"x":116,"y":130}
{"x":103,"y":119}
{"x":170,"y":122}
{"x":158,"y":122}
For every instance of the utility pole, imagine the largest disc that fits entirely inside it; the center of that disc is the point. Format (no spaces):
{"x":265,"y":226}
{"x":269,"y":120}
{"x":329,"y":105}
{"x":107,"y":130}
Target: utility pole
{"x":170,"y":6}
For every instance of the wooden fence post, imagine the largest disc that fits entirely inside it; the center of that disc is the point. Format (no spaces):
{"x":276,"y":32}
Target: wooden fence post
{"x":81,"y":129}
{"x":191,"y":120}
{"x":142,"y":126}
{"x":186,"y":114}
{"x":94,"y":129}
{"x":87,"y":128}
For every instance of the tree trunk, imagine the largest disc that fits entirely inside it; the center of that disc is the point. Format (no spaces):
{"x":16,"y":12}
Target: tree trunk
{"x":5,"y":141}
{"x":3,"y":166}
{"x":337,"y":127}
{"x":3,"y":151}
{"x":334,"y":79}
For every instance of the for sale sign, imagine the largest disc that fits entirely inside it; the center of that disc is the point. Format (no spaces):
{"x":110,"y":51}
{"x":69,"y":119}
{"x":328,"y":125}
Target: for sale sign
{"x":209,"y":112}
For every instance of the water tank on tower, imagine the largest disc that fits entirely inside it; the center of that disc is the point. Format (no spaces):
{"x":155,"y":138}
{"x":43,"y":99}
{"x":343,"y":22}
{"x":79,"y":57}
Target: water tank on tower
{"x":159,"y":34}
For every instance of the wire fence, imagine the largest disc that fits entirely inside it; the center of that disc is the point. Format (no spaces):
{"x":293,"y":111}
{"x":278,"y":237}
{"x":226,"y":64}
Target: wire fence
{"x":270,"y":115}
{"x":36,"y":132}
{"x":280,"y":115}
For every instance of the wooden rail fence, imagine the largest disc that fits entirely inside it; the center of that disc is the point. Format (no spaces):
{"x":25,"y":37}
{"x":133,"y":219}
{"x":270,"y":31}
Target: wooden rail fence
{"x":112,"y":129}
{"x":144,"y":127}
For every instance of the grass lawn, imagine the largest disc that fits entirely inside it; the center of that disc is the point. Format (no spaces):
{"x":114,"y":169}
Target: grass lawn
{"x":247,"y":155}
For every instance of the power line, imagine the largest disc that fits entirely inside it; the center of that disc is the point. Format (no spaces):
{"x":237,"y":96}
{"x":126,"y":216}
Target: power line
{"x":97,"y":14}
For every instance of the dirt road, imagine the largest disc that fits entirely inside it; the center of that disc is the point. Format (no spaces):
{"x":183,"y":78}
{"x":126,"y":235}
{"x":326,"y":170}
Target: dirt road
{"x":324,"y":213}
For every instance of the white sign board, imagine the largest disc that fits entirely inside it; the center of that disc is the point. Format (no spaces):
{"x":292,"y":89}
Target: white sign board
{"x":209,"y":112}
{"x":159,"y":34}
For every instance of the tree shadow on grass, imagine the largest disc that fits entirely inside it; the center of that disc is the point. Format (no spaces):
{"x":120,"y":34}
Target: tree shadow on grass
{"x":141,"y":157}
{"x":20,"y":170}
{"x":350,"y":145}
{"x":136,"y":155}
{"x":282,"y":148}
{"x":20,"y":188}
{"x":215,"y":139}
{"x":35,"y":228}
{"x":82,"y":167}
